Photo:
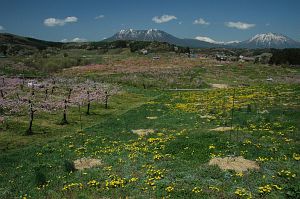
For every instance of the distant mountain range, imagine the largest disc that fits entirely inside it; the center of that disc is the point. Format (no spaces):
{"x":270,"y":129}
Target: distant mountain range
{"x":268,"y":40}
{"x":159,"y":35}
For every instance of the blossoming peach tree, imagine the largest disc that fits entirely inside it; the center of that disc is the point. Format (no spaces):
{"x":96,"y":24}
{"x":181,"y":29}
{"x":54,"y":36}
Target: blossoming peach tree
{"x":35,"y":97}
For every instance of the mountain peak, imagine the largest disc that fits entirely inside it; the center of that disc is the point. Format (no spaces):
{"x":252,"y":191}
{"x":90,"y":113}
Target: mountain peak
{"x":265,"y":40}
{"x":143,"y":35}
{"x":271,"y":40}
{"x":160,"y":36}
{"x":269,"y":37}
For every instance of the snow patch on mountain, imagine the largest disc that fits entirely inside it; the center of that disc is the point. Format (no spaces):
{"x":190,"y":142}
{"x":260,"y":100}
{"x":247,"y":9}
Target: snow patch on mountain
{"x":271,"y":40}
{"x":139,"y":34}
{"x":267,"y":40}
{"x":269,"y":37}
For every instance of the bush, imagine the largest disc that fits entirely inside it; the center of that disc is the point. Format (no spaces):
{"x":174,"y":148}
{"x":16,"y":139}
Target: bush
{"x":40,"y":178}
{"x":69,"y":166}
{"x":120,"y":44}
{"x":285,"y":56}
{"x":138,"y":45}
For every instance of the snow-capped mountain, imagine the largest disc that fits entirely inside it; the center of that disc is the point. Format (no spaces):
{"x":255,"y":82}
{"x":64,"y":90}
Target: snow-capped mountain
{"x":139,"y":34}
{"x":144,"y":35}
{"x":269,"y":40}
{"x":158,"y":35}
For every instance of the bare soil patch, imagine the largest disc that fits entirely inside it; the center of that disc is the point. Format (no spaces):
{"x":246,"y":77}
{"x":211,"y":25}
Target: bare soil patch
{"x":238,"y":164}
{"x":86,"y":163}
{"x":222,"y":129}
{"x":219,"y":85}
{"x":143,"y":132}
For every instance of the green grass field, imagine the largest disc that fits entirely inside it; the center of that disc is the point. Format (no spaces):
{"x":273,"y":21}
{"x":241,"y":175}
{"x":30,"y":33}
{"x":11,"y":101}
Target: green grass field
{"x":172,"y":160}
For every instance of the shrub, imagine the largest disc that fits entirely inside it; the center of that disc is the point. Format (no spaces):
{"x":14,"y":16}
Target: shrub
{"x":40,"y":178}
{"x":69,"y":166}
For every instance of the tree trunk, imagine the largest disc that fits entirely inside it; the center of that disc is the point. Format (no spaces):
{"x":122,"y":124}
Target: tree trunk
{"x":69,"y":95}
{"x":29,"y":131}
{"x":53,"y":87}
{"x":31,"y":112}
{"x":23,"y":80}
{"x":46,"y":94}
{"x":88,"y":108}
{"x":32,"y":90}
{"x":64,"y":120}
{"x":106,"y":100}
{"x":80,"y":119}
{"x":89,"y":103}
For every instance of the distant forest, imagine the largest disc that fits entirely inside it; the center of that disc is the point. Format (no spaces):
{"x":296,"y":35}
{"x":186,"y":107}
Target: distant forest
{"x":285,"y":56}
{"x":13,"y":45}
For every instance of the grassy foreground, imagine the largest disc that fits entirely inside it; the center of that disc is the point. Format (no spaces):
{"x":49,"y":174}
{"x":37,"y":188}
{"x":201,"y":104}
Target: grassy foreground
{"x":172,"y":161}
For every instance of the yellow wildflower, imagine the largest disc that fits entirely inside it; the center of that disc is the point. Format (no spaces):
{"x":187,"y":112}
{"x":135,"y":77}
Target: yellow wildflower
{"x":296,"y":156}
{"x":197,"y":190}
{"x":169,"y":188}
{"x":243,"y":193}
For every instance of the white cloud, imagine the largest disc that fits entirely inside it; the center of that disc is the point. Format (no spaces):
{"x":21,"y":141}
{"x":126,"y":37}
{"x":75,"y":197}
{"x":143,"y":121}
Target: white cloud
{"x":59,"y":22}
{"x":71,"y":19}
{"x":163,"y":18}
{"x":2,"y":28}
{"x":99,"y":17}
{"x":77,"y":39}
{"x":207,"y":39}
{"x":210,"y":40}
{"x":239,"y":25}
{"x":53,"y":22}
{"x":201,"y":21}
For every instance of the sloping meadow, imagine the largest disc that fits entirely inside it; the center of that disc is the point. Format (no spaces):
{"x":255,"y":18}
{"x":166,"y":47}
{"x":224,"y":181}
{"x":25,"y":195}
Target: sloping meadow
{"x":172,"y":160}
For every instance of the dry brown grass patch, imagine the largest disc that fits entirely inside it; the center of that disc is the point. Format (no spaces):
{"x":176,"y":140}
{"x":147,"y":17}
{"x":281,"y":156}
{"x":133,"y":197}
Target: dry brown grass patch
{"x":143,"y":132}
{"x":219,"y":85}
{"x":222,"y":129}
{"x":238,"y":164}
{"x":86,"y":163}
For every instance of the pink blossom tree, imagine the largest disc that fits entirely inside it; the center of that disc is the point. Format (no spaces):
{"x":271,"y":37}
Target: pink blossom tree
{"x":50,"y":95}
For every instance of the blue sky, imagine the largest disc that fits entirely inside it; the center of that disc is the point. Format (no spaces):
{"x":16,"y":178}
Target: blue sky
{"x":221,"y":20}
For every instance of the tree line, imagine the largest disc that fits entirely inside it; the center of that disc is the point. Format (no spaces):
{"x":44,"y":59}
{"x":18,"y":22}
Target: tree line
{"x":289,"y":56}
